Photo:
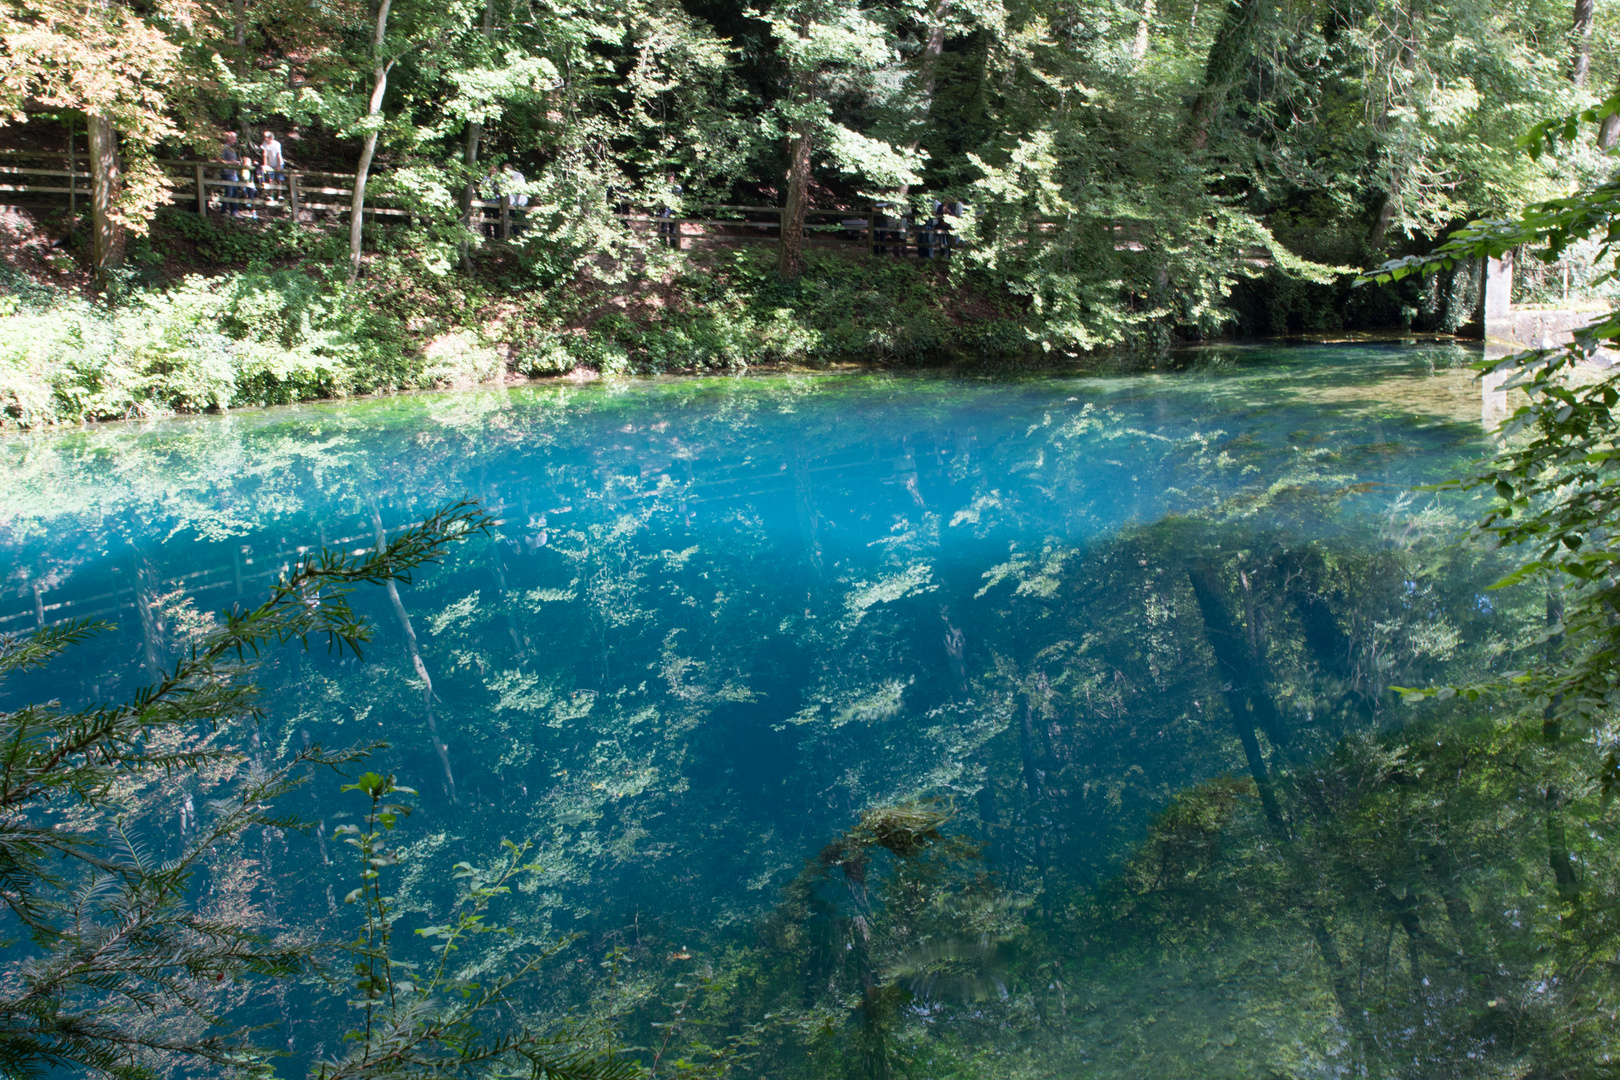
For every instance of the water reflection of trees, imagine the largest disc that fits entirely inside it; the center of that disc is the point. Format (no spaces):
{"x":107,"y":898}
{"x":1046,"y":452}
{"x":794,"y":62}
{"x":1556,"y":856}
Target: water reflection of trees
{"x":1185,"y":823}
{"x":1351,"y":892}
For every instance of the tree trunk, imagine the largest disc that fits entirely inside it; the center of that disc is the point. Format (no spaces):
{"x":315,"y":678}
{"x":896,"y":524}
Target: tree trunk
{"x":1222,"y":636}
{"x":1034,"y":789}
{"x":790,"y":255}
{"x":469,"y":194}
{"x":154,"y":631}
{"x":1552,"y":732}
{"x":239,"y":26}
{"x":790,"y":245}
{"x":1386,"y":214}
{"x":1139,"y":49}
{"x":475,"y":133}
{"x":804,"y":503}
{"x":107,"y":235}
{"x":379,"y":87}
{"x":1609,"y":131}
{"x":1241,"y":667}
{"x":1558,"y":860}
{"x":931,"y":51}
{"x":1581,"y":61}
{"x":927,"y":67}
{"x":1227,"y":55}
{"x":417,"y":663}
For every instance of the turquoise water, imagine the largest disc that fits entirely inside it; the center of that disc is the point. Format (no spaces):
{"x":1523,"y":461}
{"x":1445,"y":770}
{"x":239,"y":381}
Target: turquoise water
{"x":722,"y":618}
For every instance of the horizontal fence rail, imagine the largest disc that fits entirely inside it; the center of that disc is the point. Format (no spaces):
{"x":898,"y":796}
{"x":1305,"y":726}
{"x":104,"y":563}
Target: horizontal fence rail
{"x":304,"y":193}
{"x":231,"y":187}
{"x":217,"y":574}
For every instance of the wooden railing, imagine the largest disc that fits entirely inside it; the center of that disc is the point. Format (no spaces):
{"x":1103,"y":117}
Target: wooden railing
{"x":201,"y":184}
{"x":878,"y":232}
{"x":204,"y":185}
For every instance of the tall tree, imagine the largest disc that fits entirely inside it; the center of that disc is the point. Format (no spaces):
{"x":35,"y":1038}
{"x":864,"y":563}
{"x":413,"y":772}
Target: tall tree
{"x":475,"y":135}
{"x":126,"y":72}
{"x":927,"y":73}
{"x":832,"y":49}
{"x":1228,"y":54}
{"x":801,"y":142}
{"x":373,"y":125}
{"x":106,"y":184}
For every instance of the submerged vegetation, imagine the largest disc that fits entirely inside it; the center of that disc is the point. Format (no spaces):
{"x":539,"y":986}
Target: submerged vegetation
{"x":999,"y":729}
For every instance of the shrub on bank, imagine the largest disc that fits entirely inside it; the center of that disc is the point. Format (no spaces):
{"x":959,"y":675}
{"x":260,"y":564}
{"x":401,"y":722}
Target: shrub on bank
{"x":733,"y":312}
{"x":266,"y":336}
{"x":254,"y":338}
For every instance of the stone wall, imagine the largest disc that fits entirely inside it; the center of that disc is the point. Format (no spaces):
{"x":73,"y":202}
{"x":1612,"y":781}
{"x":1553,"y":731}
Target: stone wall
{"x":1510,"y":329}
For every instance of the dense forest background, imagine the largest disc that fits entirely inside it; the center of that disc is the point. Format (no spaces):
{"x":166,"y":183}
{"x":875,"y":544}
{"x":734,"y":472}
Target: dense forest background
{"x":1122,"y":176}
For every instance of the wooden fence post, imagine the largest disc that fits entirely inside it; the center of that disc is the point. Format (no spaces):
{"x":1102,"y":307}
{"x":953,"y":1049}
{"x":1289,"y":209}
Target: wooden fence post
{"x":73,"y":183}
{"x":871,"y":219}
{"x":506,"y":221}
{"x":202,"y":193}
{"x":292,"y":194}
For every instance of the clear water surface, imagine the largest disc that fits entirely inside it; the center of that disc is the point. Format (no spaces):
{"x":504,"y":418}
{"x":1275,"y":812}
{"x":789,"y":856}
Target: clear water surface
{"x":723,"y":618}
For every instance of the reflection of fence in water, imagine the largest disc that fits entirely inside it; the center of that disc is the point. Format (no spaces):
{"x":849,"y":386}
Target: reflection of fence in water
{"x":246,"y":569}
{"x":249,"y":568}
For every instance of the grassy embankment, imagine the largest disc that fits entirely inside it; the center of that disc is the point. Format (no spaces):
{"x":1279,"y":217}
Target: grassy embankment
{"x":216,"y":315}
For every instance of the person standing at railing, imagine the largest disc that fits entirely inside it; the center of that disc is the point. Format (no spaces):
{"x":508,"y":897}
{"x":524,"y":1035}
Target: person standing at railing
{"x":929,"y":230}
{"x":886,"y":230}
{"x":516,"y":198}
{"x":668,"y":229}
{"x":271,"y":164}
{"x":228,"y":153}
{"x":955,"y":210}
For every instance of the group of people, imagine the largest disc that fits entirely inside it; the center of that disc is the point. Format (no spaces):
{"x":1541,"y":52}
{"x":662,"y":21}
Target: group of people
{"x":668,"y":224}
{"x":262,"y":166}
{"x":934,"y":239}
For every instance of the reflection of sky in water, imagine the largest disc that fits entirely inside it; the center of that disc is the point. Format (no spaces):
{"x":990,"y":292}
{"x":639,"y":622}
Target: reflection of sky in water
{"x":721,"y":616}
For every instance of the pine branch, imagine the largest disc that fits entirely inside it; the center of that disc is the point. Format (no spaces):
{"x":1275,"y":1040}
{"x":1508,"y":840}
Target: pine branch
{"x":114,"y":938}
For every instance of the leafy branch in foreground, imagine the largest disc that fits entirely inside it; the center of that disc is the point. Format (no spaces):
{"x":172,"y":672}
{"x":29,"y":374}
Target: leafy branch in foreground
{"x":1557,"y":491}
{"x":111,"y":967}
{"x":1551,"y":225}
{"x":438,"y":1022}
{"x":1556,"y":487}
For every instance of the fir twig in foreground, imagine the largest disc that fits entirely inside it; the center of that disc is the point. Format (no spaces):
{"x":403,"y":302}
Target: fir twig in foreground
{"x":101,"y":938}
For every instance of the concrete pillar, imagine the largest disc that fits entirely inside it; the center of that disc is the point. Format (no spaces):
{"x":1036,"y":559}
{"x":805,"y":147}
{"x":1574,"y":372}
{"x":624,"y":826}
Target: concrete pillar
{"x":1498,"y":289}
